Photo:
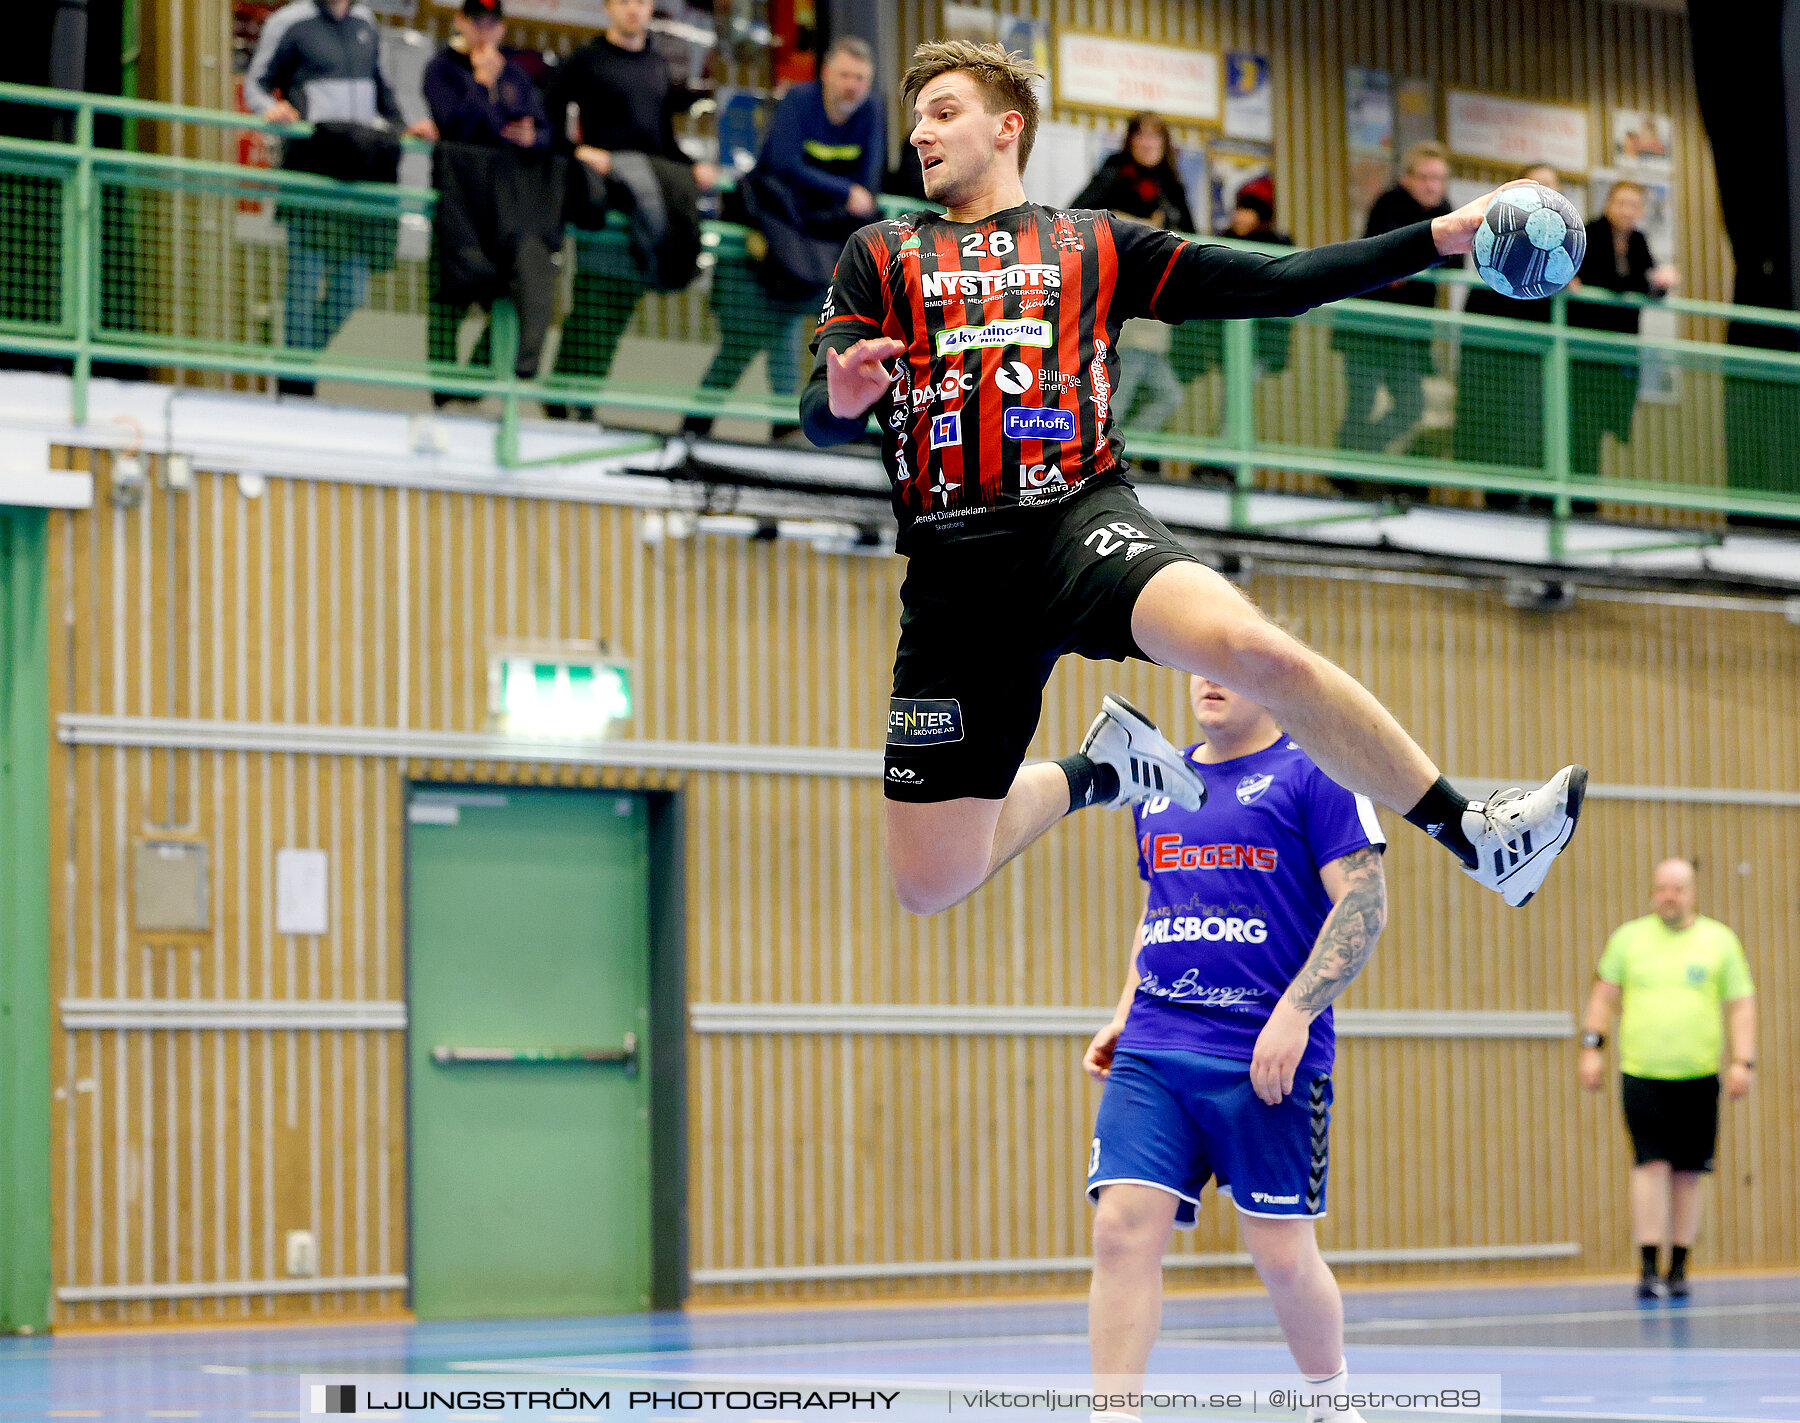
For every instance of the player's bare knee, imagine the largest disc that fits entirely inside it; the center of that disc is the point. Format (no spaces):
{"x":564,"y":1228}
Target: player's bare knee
{"x":1281,"y":1255}
{"x":926,"y":887}
{"x":922,"y":896}
{"x":1126,"y":1228}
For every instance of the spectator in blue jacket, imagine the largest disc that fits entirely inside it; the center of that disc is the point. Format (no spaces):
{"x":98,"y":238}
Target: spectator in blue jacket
{"x":826,"y":142}
{"x":816,"y":177}
{"x":477,"y":92}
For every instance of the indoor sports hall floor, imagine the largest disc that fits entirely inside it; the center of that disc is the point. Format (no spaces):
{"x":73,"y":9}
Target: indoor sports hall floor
{"x":1564,"y":1351}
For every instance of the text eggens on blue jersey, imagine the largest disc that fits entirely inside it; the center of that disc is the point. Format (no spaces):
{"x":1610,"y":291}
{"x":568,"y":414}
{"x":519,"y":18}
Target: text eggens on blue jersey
{"x":1236,"y":902}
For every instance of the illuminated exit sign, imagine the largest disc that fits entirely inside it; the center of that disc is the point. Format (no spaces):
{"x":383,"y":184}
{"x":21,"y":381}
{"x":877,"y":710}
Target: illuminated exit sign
{"x":558,"y":696}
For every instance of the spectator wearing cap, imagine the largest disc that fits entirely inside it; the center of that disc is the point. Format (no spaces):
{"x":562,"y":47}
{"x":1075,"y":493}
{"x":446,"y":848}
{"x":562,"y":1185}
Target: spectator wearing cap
{"x":475,"y":89}
{"x":320,"y":62}
{"x":499,"y":210}
{"x":813,"y":185}
{"x":613,"y":96}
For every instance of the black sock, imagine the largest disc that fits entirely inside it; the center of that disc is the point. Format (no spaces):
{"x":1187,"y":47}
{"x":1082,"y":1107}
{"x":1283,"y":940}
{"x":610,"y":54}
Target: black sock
{"x":1439,"y":814}
{"x":1089,"y":781}
{"x":1678,"y":1262}
{"x":1649,"y":1254}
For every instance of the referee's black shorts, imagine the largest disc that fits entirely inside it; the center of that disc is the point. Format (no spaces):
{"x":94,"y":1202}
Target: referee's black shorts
{"x":1673,"y":1119}
{"x":984,"y":618}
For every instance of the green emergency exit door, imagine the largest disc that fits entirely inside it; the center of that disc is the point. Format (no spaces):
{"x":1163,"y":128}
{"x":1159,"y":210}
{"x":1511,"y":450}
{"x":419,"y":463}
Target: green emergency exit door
{"x":528,"y":996}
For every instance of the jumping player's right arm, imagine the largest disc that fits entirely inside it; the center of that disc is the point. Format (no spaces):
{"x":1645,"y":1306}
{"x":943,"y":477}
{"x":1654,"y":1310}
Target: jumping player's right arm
{"x":1097,"y":1061}
{"x":849,"y":374}
{"x":1169,"y":278}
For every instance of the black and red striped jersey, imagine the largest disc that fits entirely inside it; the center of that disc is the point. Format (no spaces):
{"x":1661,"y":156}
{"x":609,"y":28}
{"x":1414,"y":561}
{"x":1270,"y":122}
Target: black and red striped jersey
{"x":1002,"y":398}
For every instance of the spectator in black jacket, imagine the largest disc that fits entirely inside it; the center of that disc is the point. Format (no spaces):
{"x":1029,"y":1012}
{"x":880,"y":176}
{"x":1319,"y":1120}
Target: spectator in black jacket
{"x":1374,"y":360}
{"x":325,"y":68}
{"x":813,"y":185}
{"x":1140,"y":180}
{"x":486,"y":115}
{"x":1603,"y":393}
{"x":624,"y":101}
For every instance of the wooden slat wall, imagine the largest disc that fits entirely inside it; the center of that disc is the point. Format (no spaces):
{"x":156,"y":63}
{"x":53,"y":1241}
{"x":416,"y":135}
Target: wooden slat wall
{"x":187,"y":1155}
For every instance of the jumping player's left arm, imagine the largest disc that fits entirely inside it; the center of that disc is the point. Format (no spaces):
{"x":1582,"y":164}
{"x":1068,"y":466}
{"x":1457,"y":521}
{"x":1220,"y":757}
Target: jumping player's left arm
{"x":1358,"y":891}
{"x":848,"y":375}
{"x":1170,"y":278}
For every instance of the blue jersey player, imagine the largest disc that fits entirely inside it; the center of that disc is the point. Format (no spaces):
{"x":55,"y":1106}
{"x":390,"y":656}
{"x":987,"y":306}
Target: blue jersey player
{"x":1262,"y":905}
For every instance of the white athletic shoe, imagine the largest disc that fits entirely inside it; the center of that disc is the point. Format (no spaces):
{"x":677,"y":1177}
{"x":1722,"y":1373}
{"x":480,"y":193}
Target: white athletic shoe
{"x":1325,"y":1411}
{"x":1125,"y":739}
{"x":1518,"y":833}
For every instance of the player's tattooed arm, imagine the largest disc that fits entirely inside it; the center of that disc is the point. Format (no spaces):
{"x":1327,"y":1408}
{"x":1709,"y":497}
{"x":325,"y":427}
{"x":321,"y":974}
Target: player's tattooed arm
{"x":1348,"y":938}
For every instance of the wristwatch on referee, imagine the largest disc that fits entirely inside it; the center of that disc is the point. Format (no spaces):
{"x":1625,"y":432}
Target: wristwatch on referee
{"x":1593,"y":1039}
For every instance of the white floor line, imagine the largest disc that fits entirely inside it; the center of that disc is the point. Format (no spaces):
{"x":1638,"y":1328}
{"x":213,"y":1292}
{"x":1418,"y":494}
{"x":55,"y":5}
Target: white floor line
{"x":1469,"y":1321}
{"x":1511,"y":1412}
{"x":746,"y":1351}
{"x":737,"y":1382}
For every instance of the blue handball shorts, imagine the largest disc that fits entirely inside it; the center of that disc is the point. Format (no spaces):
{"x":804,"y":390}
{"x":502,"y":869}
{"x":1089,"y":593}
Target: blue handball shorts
{"x":1175,"y":1120}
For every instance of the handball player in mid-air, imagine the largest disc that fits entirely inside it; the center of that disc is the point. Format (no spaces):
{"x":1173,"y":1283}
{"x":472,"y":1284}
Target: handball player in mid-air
{"x":1024,"y":539}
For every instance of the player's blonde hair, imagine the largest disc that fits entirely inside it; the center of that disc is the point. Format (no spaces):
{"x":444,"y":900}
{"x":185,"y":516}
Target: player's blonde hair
{"x":1005,"y":80}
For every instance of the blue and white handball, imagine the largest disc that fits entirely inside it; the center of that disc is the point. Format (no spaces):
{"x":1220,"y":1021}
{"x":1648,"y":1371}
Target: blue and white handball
{"x":1530,"y":242}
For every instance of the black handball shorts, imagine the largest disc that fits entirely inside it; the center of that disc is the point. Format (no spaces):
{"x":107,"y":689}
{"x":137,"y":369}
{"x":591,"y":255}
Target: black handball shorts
{"x":984,"y":617}
{"x":1673,"y":1119}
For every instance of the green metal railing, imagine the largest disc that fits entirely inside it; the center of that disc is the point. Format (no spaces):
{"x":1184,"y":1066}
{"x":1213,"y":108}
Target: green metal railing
{"x":164,"y":260}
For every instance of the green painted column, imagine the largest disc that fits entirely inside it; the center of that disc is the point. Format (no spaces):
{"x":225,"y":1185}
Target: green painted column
{"x":24,"y":924}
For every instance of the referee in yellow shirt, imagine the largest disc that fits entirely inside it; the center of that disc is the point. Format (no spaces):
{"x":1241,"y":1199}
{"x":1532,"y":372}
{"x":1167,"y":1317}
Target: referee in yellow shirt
{"x":1671,"y":973}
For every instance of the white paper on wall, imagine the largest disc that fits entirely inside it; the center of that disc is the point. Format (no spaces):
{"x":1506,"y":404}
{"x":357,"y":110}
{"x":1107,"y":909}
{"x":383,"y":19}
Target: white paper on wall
{"x":302,"y":892}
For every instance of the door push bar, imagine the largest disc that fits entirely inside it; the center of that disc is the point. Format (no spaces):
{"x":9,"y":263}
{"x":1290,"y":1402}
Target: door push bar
{"x":626,"y":1055}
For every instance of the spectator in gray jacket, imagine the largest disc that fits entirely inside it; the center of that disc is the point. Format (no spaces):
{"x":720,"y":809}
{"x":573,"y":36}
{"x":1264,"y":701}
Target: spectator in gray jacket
{"x":323,"y":67}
